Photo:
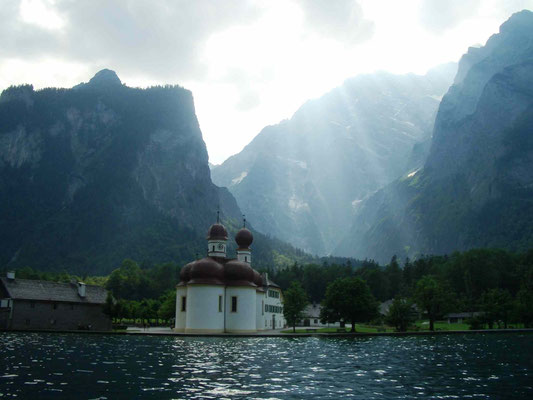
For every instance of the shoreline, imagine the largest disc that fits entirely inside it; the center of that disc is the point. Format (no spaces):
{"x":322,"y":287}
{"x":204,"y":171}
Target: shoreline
{"x":278,"y":334}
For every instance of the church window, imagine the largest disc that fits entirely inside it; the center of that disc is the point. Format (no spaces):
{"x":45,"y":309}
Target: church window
{"x":234,"y":304}
{"x":262,"y":307}
{"x":183,"y":303}
{"x":219,"y":303}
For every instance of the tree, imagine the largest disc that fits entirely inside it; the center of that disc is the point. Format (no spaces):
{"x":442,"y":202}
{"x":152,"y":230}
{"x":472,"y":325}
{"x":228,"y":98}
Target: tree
{"x":349,"y":299}
{"x":497,"y":305}
{"x":400,"y":314}
{"x":167,"y":310}
{"x":294,"y":302}
{"x":110,"y":307}
{"x":524,"y":300}
{"x":394,"y":276}
{"x":431,"y":296}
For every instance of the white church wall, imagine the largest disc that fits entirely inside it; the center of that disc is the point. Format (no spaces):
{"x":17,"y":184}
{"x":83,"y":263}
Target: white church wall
{"x":260,"y":311}
{"x":244,"y":319}
{"x":181,"y":292}
{"x":203,"y":312}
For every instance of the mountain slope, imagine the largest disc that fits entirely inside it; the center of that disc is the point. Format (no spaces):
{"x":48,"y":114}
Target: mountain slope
{"x":301,"y":180}
{"x":101,"y":172}
{"x":476,"y":188}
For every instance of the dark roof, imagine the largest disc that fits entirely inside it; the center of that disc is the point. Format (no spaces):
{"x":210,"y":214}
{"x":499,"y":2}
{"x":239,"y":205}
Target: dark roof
{"x":26,"y":289}
{"x":270,"y":283}
{"x":244,"y":238}
{"x":217,"y":232}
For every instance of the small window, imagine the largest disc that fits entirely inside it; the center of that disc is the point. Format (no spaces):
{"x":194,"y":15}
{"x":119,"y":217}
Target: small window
{"x":316,"y":321}
{"x":234,"y":304}
{"x":219,"y":303}
{"x":54,"y":306}
{"x":32,"y":304}
{"x":262,"y":307}
{"x":183,"y":303}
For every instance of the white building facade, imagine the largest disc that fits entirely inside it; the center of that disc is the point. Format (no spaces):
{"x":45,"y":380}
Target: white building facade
{"x":217,"y":294}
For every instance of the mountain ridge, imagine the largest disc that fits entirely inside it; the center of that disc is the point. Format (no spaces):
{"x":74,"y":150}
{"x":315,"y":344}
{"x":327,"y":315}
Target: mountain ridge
{"x":475,"y":189}
{"x":102,"y":172}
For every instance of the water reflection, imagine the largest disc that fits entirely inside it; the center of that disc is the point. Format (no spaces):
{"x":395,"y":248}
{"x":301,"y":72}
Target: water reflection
{"x":60,"y":366}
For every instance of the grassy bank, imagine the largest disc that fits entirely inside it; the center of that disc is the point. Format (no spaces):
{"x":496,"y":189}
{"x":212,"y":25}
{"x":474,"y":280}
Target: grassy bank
{"x":419,"y":326}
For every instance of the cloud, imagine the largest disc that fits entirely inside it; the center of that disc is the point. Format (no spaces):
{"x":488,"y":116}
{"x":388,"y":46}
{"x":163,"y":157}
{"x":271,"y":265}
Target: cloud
{"x":161,"y":39}
{"x":438,"y":16}
{"x":341,"y":20}
{"x":248,"y":101}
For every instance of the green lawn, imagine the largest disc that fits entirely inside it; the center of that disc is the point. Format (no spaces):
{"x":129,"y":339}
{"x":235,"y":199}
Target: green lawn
{"x":358,"y":328}
{"x":423,"y":325}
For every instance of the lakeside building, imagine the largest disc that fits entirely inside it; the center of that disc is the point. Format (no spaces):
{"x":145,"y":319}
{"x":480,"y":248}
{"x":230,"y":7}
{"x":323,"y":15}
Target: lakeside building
{"x":37,"y":305}
{"x":311,"y":318}
{"x":218,"y":294}
{"x":462,"y":317}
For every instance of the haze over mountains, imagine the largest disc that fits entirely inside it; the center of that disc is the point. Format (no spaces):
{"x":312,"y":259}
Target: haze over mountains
{"x":476,"y":187}
{"x":302,"y":179}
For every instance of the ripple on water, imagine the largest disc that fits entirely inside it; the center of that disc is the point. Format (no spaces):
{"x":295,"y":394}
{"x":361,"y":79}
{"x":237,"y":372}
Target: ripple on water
{"x":444,"y":367}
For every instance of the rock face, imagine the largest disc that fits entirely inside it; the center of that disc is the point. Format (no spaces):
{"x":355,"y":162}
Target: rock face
{"x":101,"y":172}
{"x":302,"y":179}
{"x":476,"y":188}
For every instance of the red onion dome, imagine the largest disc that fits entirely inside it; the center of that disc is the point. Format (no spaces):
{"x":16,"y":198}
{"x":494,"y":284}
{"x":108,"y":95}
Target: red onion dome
{"x":244,"y":238}
{"x":207,"y":271}
{"x":238,"y":273}
{"x":185,"y":273}
{"x":258,"y":279}
{"x":217,"y":232}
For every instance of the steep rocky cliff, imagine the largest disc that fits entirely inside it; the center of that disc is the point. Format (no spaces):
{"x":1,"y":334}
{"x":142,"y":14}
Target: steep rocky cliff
{"x":100,"y":172}
{"x":302,"y":179}
{"x":476,"y":188}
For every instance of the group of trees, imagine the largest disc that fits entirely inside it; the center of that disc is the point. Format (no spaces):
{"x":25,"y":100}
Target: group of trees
{"x":162,"y":309}
{"x":142,"y":294}
{"x":496,"y":284}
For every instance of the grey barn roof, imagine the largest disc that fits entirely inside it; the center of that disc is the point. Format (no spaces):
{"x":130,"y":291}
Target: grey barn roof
{"x":26,"y":289}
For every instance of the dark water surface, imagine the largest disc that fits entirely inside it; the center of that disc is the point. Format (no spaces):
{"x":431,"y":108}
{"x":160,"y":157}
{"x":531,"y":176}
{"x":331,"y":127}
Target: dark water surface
{"x":70,"y":366}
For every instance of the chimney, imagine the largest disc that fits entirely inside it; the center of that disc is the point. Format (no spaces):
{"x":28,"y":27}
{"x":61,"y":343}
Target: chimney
{"x":81,"y":289}
{"x":11,"y":275}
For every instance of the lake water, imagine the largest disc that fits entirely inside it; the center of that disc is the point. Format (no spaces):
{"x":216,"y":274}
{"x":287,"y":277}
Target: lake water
{"x":71,"y":366}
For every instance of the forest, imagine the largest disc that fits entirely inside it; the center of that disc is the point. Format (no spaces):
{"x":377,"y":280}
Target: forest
{"x":474,"y":280}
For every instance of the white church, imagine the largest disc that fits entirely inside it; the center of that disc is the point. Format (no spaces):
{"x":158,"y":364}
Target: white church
{"x":218,"y":294}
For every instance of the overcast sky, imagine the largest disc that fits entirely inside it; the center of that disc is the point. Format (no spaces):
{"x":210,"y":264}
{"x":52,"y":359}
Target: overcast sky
{"x":248,"y":63}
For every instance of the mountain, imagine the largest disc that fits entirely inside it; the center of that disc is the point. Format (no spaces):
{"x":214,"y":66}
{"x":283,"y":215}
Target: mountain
{"x":476,"y":187}
{"x":302,"y":179}
{"x":101,"y":172}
